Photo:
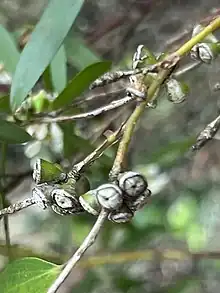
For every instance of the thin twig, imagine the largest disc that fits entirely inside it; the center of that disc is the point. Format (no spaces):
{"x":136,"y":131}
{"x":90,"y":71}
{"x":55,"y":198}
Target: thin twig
{"x":89,"y":240}
{"x":17,"y":207}
{"x":93,"y":96}
{"x":177,"y":74}
{"x":90,"y":114}
{"x":186,"y":69}
{"x":207,"y":134}
{"x":114,"y":76}
{"x":87,"y":161}
{"x":111,"y":77}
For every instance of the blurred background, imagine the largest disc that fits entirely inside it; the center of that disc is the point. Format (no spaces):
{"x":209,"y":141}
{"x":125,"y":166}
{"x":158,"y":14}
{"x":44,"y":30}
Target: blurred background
{"x":173,"y":244}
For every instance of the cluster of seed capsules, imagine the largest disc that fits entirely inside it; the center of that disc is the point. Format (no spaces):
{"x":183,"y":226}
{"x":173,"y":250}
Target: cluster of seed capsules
{"x":56,"y":189}
{"x":123,"y":198}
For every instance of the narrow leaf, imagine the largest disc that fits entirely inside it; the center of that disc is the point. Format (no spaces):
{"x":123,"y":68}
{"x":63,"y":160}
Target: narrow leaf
{"x":44,"y":42}
{"x":78,"y":54}
{"x":30,"y":275}
{"x":80,"y":83}
{"x":58,"y":71}
{"x":11,"y":133}
{"x":9,"y":54}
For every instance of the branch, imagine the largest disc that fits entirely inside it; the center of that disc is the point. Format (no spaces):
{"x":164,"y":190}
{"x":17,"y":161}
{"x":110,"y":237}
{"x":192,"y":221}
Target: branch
{"x":166,"y":66}
{"x":131,"y":123}
{"x":207,"y":134}
{"x":214,"y":25}
{"x":90,"y":114}
{"x":111,"y":77}
{"x":93,"y":96}
{"x":77,"y":169}
{"x":89,"y":240}
{"x":186,"y":69}
{"x":17,"y":207}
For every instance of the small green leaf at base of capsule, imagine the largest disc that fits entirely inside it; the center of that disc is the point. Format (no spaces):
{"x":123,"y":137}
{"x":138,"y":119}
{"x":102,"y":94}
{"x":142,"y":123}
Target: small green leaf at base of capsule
{"x":89,"y":203}
{"x":143,"y":57}
{"x":176,"y":91}
{"x":45,"y":171}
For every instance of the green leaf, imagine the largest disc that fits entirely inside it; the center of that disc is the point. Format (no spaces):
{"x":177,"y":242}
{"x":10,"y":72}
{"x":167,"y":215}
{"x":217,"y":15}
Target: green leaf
{"x":9,"y":54}
{"x":45,"y":171}
{"x":44,"y":42}
{"x":11,"y":133}
{"x":78,"y":54}
{"x":30,"y":275}
{"x":58,"y":71}
{"x":80,"y":83}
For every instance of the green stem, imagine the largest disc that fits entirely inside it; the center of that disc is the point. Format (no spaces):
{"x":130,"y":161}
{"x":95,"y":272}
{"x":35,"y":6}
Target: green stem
{"x":3,"y":202}
{"x":131,"y":123}
{"x":162,"y":75}
{"x":214,"y":25}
